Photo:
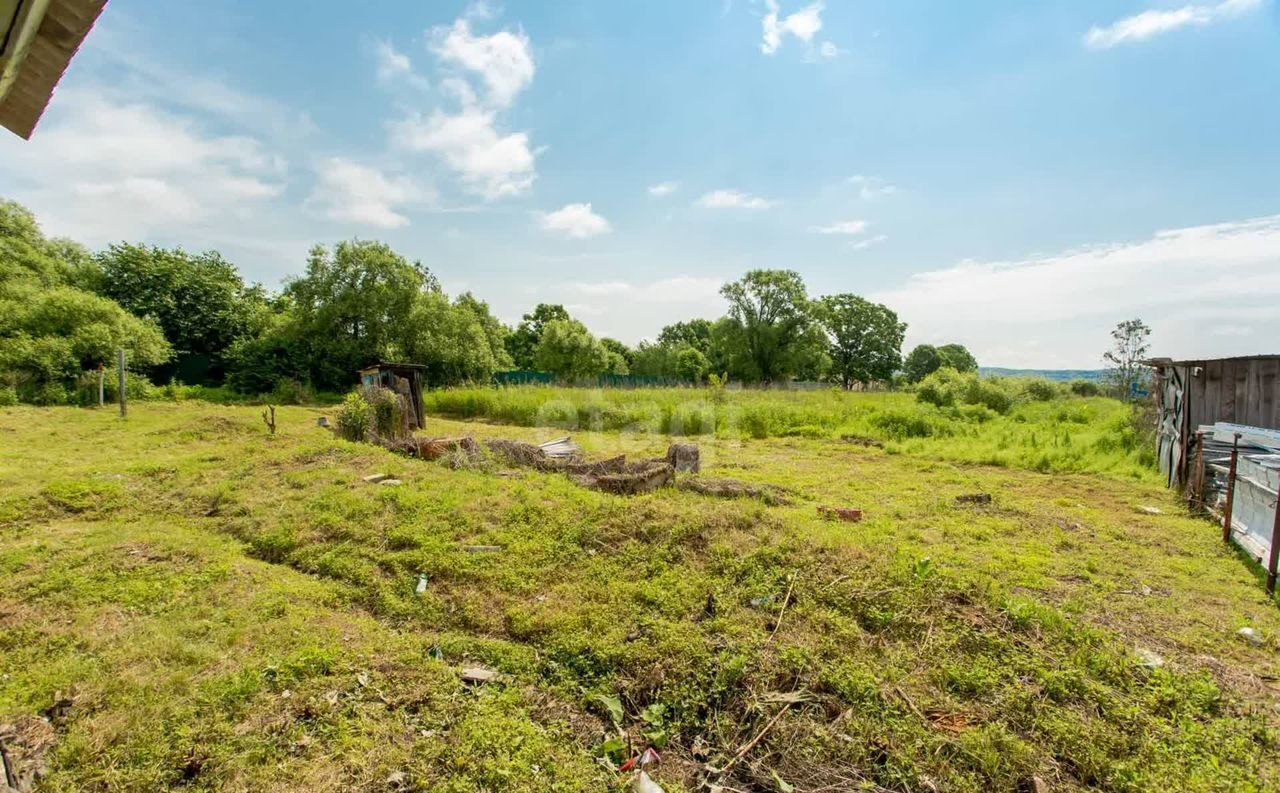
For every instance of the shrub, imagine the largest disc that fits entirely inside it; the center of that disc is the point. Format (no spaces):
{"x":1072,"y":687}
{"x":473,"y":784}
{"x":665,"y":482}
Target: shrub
{"x":386,"y":412}
{"x":1086,"y":388}
{"x":1040,"y":390}
{"x":355,"y":417}
{"x":900,"y":424}
{"x":8,"y":396}
{"x":947,"y":387}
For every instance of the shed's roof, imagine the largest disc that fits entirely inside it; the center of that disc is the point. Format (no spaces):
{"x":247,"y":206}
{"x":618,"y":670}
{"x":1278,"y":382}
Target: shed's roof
{"x":1202,"y":361}
{"x":38,"y":38}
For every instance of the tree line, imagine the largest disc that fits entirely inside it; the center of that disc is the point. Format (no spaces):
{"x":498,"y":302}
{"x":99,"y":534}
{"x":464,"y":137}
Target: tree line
{"x":191,"y":317}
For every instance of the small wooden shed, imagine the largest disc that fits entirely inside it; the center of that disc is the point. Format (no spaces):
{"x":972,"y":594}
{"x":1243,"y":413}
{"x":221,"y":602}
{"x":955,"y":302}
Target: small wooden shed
{"x":403,"y":378}
{"x":1192,"y":393}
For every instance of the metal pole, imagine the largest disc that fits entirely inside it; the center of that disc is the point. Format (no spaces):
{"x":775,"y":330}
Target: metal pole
{"x":1275,"y":551}
{"x":119,"y":372}
{"x":1231,"y":489}
{"x":102,"y":375}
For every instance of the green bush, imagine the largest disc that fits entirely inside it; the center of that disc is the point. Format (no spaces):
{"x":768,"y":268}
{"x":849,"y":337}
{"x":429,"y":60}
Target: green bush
{"x":900,"y":424}
{"x":1040,"y":390}
{"x":386,"y":411}
{"x":354,"y":418}
{"x":8,"y":396}
{"x":947,"y":388}
{"x":1085,"y":388}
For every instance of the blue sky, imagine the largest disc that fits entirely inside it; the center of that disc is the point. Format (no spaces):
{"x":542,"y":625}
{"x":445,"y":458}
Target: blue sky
{"x":1014,"y":176}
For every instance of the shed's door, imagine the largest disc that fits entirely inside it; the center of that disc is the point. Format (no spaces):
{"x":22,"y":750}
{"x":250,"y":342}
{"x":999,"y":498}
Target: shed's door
{"x":1172,"y":413}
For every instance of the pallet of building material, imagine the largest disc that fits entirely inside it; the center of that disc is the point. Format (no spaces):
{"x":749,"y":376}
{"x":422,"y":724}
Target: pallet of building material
{"x":1225,"y":431}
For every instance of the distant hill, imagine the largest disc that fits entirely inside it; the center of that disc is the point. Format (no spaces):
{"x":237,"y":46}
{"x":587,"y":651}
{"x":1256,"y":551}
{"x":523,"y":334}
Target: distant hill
{"x":1048,"y":374}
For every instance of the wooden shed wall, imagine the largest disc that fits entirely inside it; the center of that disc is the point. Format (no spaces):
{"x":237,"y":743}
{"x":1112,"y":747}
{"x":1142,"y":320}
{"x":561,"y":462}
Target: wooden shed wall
{"x":1239,"y":390}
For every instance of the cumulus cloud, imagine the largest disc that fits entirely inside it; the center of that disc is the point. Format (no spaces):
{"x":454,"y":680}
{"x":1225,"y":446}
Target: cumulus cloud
{"x":1057,"y":310}
{"x":394,"y":66}
{"x":663,"y":188}
{"x":503,"y":60}
{"x":626,"y":310}
{"x":1148,"y":24}
{"x":355,"y":193}
{"x":871,"y":188}
{"x":802,"y":25}
{"x":488,"y":162}
{"x":103,"y":168}
{"x":732,"y":199}
{"x":575,"y":221}
{"x":846,"y":227}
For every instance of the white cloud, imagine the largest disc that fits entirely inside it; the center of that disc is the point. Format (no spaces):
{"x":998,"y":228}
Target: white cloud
{"x":355,"y":193}
{"x":490,"y":163}
{"x":847,"y":227}
{"x":1058,"y":310}
{"x":576,"y":221}
{"x":871,"y":188}
{"x":828,"y":50}
{"x":862,"y":245}
{"x":394,"y":66}
{"x":732,"y":199}
{"x":803,"y":24}
{"x":502,"y":60}
{"x":663,"y":188}
{"x":102,"y":168}
{"x":1147,"y":24}
{"x":627,"y":311}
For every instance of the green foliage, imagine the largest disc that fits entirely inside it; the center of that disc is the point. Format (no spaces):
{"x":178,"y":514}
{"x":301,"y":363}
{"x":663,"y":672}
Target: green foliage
{"x":1085,"y":388}
{"x":386,"y":412}
{"x":1129,"y":346}
{"x":864,"y":339}
{"x":768,"y":333}
{"x":355,"y":417}
{"x":522,"y":344}
{"x":921,"y":362}
{"x":568,"y":350}
{"x":947,"y":387}
{"x":450,"y":339}
{"x":198,"y":300}
{"x":353,"y":308}
{"x":955,"y":356}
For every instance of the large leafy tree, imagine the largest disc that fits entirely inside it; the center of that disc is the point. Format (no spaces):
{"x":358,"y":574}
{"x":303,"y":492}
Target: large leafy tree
{"x":522,"y":344}
{"x":1129,"y":347}
{"x":199,"y":301}
{"x":496,"y":333}
{"x":864,"y":339}
{"x":353,"y":307}
{"x":770,"y":319}
{"x":449,"y":339}
{"x":694,"y":332}
{"x":567,"y":349}
{"x":956,"y":356}
{"x":921,"y":362}
{"x":51,"y":330}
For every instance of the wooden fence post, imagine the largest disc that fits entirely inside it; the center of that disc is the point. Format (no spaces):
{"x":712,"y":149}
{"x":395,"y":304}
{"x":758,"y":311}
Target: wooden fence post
{"x":1231,"y":489}
{"x":119,"y":375}
{"x":1195,"y":488}
{"x":102,"y":376}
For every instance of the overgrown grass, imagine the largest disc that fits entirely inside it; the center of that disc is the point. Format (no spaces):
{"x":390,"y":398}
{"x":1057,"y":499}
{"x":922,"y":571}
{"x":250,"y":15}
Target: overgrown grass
{"x":232,"y":610}
{"x":1060,"y":434}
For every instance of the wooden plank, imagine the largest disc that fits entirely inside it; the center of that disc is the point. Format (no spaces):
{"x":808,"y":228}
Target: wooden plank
{"x":1242,"y":370}
{"x":1268,"y":381}
{"x":1212,"y":374}
{"x":1227,"y":392}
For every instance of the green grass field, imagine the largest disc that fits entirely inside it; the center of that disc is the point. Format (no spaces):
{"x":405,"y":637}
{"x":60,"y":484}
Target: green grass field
{"x":219,"y":609}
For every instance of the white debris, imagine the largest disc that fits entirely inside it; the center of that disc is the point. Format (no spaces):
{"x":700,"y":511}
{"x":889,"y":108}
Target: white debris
{"x":392,"y":482}
{"x":643,"y":783}
{"x":1250,"y":635}
{"x":1150,"y":658}
{"x":1151,"y":510}
{"x":373,"y":479}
